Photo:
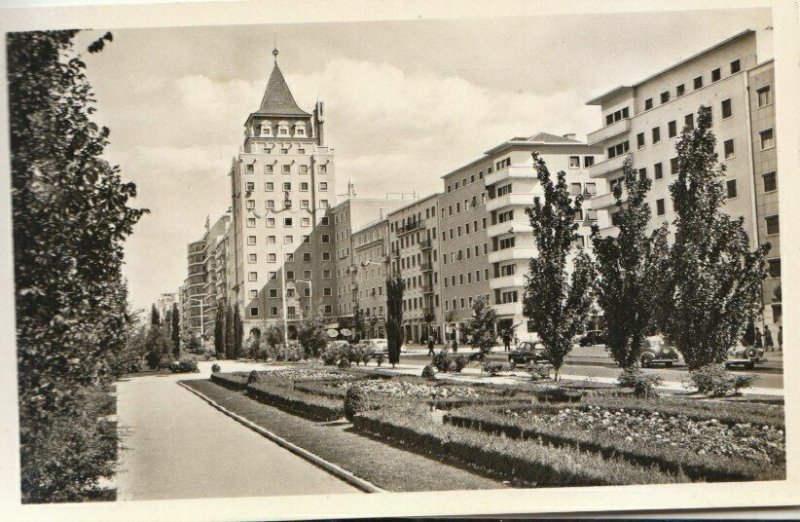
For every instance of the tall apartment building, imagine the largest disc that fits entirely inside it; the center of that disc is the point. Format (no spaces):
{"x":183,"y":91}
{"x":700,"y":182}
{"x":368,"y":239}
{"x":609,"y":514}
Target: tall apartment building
{"x":352,"y":214}
{"x":199,"y":293}
{"x":511,"y":187}
{"x":414,"y":239}
{"x":371,"y":261}
{"x":282,"y":183}
{"x":164,"y":303}
{"x":643,"y":122}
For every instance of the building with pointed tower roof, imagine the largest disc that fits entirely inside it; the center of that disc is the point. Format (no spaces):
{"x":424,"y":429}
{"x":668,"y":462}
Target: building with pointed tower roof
{"x":282,"y":183}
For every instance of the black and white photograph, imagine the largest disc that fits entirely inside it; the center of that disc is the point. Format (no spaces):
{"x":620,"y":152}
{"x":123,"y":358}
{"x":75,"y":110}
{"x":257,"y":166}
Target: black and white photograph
{"x":272,"y":261}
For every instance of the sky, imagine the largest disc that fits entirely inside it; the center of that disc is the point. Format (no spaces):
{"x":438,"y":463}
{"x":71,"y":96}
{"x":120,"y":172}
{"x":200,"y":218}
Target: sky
{"x":406,"y":101}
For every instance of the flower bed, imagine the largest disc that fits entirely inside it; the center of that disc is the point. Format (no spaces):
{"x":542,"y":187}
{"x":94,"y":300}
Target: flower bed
{"x":703,"y":449}
{"x":525,"y":462}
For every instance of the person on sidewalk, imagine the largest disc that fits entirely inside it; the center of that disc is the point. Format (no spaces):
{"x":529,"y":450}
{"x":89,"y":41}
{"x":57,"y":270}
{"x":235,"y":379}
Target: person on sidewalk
{"x":455,"y":345}
{"x":757,"y":341}
{"x":431,"y":345}
{"x":780,"y":338}
{"x":769,"y":347}
{"x":506,"y":341}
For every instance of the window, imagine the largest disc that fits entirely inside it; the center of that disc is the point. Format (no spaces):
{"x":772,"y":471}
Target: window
{"x":574,"y":162}
{"x":252,"y":276}
{"x":253,"y":294}
{"x":272,"y":258}
{"x":698,"y":82}
{"x":251,"y":204}
{"x":660,"y":207}
{"x":271,"y":240}
{"x":303,"y":186}
{"x":306,"y":256}
{"x":673,"y":165}
{"x":251,"y":222}
{"x":323,"y":169}
{"x":773,"y":225}
{"x":648,"y":104}
{"x":286,"y":169}
{"x":680,"y":90}
{"x":774,"y":267}
{"x":287,"y":186}
{"x":324,"y":221}
{"x":591,"y":214}
{"x":770,"y":182}
{"x":688,"y":121}
{"x":287,"y":222}
{"x":326,"y":256}
{"x":658,"y":171}
{"x":716,"y":74}
{"x":305,"y":222}
{"x":251,"y":168}
{"x":730,"y":185}
{"x":588,"y":161}
{"x":323,"y":186}
{"x":764,"y":96}
{"x":304,"y":203}
{"x":574,"y":189}
{"x":665,"y":97}
{"x":268,"y":169}
{"x":270,"y":203}
{"x":672,"y":129}
{"x":249,"y":186}
{"x":252,"y":258}
{"x":727,"y":110}
{"x":591,"y":189}
{"x":303,"y":169}
{"x":254,"y":311}
{"x":326,"y":238}
{"x":269,"y":186}
{"x":643,"y":173}
{"x":270,"y":222}
{"x":656,"y":135}
{"x":640,"y":140}
{"x":767,"y":139}
{"x":616,"y":150}
{"x":728,"y":147}
{"x":251,"y":240}
{"x":736,"y":66}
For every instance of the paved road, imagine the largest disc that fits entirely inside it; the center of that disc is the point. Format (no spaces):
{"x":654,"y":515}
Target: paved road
{"x":180,"y":447}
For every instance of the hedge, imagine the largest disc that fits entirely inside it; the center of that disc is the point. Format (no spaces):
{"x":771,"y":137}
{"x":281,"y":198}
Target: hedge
{"x":304,"y":404}
{"x":232,"y":381}
{"x":712,"y":468}
{"x":527,"y":462}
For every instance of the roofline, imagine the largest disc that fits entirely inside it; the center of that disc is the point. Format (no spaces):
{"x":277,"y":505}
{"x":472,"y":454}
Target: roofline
{"x":415,"y":202}
{"x":372,"y":224}
{"x":356,"y":198}
{"x":730,"y":39}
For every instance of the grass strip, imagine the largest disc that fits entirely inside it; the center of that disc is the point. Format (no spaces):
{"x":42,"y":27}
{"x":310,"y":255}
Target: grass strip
{"x":524,"y":462}
{"x":669,"y":459}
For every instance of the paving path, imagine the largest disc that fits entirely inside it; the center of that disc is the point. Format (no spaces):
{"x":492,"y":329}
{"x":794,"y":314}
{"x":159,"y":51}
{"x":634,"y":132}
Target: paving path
{"x":179,"y":447}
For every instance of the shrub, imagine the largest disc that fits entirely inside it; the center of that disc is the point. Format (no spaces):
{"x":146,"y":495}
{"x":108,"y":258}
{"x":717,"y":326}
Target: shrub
{"x":380,"y":358}
{"x":330,"y":355}
{"x":184,"y":366}
{"x":643,"y":384}
{"x":459,"y":362}
{"x":215,"y":368}
{"x":254,"y":377}
{"x":429,"y":372}
{"x":540,"y":371}
{"x":495,"y":367}
{"x":366,"y":354}
{"x":356,"y":400}
{"x":344,"y":362}
{"x":716,"y":381}
{"x":441,"y":361}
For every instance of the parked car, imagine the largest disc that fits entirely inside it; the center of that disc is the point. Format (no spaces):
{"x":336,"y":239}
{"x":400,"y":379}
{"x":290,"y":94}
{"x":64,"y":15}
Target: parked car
{"x":747,"y":356}
{"x":527,"y":351}
{"x":340,"y":343}
{"x":657,"y":351}
{"x":592,"y":337}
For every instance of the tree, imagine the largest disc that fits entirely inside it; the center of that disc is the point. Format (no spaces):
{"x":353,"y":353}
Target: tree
{"x":556,"y":303}
{"x":230,"y":353}
{"x":175,"y":330}
{"x":394,"y":317}
{"x":479,"y":330}
{"x":155,"y":317}
{"x":273,"y":336}
{"x":238,"y":332}
{"x":70,"y":217}
{"x":358,"y":323}
{"x":312,"y":337}
{"x":627,"y":270}
{"x":219,"y":332}
{"x":713,"y":285}
{"x":159,"y":347}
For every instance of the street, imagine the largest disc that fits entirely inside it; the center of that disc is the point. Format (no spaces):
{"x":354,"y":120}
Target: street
{"x":177,"y":446}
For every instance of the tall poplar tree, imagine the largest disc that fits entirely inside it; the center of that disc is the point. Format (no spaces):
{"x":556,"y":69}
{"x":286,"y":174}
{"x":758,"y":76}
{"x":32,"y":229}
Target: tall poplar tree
{"x":229,"y":333}
{"x":394,"y":317}
{"x":713,"y":285}
{"x":175,"y":330}
{"x":219,"y":332}
{"x":556,"y":302}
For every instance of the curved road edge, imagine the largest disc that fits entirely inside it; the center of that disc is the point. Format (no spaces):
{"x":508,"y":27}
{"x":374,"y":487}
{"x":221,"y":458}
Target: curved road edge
{"x":330,"y":467}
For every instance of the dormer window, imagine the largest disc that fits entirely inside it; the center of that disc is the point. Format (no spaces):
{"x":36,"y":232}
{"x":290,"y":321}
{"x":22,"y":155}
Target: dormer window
{"x":266,"y":128}
{"x":299,"y":130}
{"x":283,"y":128}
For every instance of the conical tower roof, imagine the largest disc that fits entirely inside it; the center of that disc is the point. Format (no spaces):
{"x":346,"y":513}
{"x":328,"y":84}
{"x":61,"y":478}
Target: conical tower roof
{"x":278,"y":99}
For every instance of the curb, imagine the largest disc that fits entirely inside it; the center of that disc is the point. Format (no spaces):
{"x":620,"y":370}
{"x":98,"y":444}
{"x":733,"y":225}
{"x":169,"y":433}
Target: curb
{"x":331,"y":468}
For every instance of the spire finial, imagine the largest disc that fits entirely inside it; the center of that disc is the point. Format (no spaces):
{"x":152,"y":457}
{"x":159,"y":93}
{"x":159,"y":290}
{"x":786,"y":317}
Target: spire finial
{"x":275,"y":47}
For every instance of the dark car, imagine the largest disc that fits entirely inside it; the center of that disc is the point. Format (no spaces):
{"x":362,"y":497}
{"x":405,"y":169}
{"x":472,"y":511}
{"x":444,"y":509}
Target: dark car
{"x":656,"y":351}
{"x":527,"y":351}
{"x":593,"y":337}
{"x":747,"y":356}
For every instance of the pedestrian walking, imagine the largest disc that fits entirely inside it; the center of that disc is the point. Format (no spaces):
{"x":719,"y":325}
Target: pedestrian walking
{"x":506,"y":341}
{"x":430,"y":345}
{"x":780,"y":338}
{"x":757,"y":341}
{"x":768,"y":339}
{"x":455,"y":345}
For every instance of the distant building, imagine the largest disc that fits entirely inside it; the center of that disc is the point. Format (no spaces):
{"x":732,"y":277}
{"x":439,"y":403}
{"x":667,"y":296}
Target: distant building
{"x":642,"y":122}
{"x":371,"y":262}
{"x":164,"y":303}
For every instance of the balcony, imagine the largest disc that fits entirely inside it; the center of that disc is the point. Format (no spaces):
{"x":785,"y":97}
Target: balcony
{"x":605,"y":201}
{"x":425,"y":244}
{"x":608,"y":132}
{"x":427,"y":288}
{"x":426,"y":266}
{"x":410,"y":227}
{"x":510,"y":281}
{"x":508,"y":309}
{"x":508,"y":227}
{"x":610,"y":231}
{"x":512,"y":253}
{"x":609,"y":166}
{"x":511,"y":172}
{"x":508,"y":200}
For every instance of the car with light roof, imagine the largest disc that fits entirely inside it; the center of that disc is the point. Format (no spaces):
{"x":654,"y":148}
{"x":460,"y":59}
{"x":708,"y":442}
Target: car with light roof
{"x":745,"y":356}
{"x":655,"y":350}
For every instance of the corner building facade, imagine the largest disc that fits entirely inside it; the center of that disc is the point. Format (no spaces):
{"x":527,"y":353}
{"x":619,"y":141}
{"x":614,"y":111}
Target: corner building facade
{"x":642,"y":122}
